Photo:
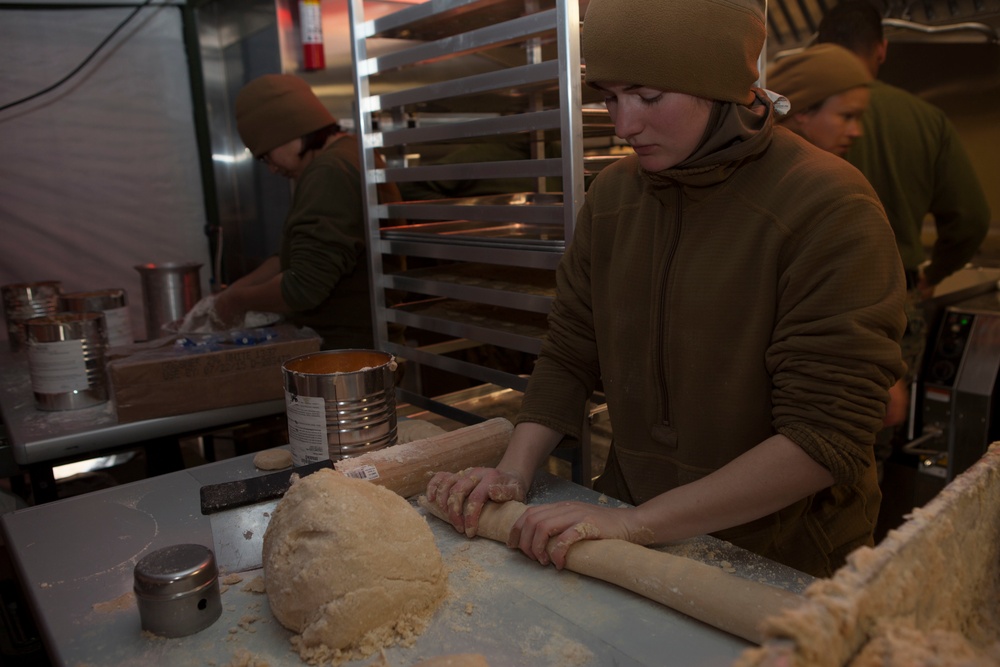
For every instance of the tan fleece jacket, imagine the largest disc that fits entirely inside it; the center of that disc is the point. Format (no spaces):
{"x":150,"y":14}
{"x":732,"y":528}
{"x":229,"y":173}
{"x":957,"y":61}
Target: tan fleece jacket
{"x":755,"y":289}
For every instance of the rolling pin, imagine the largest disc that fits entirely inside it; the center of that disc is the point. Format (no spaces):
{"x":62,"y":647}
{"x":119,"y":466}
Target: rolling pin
{"x":701,"y":591}
{"x":406,"y":468}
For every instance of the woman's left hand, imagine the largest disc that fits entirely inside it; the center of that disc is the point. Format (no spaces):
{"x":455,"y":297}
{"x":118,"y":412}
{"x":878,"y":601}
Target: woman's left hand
{"x":228,"y":309}
{"x":566,"y":523}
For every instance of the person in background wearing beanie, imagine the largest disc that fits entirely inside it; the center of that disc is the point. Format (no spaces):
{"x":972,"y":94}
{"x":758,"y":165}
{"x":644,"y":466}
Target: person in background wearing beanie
{"x":912,"y":156}
{"x":320,"y":276}
{"x":827,"y":89}
{"x":736,"y":293}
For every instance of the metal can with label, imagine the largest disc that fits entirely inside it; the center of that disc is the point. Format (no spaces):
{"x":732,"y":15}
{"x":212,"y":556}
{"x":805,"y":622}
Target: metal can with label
{"x":66,"y":354}
{"x":339,"y":404}
{"x":112,"y":302}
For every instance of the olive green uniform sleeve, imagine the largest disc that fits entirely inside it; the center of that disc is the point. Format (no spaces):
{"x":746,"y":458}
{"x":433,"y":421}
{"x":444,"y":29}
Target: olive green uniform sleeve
{"x":915,"y":161}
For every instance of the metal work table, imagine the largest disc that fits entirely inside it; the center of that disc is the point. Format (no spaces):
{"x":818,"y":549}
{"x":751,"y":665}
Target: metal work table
{"x":40,"y":439}
{"x":76,"y":557}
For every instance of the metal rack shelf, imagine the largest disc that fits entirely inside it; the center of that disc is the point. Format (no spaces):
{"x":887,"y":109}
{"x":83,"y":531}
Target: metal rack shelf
{"x":491,"y":281}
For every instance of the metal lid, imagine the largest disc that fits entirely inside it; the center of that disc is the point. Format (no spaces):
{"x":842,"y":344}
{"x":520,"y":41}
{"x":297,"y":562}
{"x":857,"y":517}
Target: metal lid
{"x":175,"y":571}
{"x":93,"y":300}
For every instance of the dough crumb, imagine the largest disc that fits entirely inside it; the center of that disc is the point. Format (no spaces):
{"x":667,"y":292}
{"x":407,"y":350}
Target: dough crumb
{"x":248,"y":620}
{"x":587,"y":531}
{"x":231,"y":579}
{"x":255,"y":585}
{"x":244,"y":658}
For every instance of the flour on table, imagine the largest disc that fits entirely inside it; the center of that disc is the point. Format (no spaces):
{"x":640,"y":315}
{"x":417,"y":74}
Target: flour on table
{"x":554,"y":648}
{"x":123,"y":601}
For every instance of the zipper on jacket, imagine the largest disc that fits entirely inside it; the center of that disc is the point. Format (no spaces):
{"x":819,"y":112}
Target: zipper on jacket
{"x":663,"y":432}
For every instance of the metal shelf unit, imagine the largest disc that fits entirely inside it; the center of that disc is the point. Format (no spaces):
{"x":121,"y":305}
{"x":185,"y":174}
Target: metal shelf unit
{"x":537,"y":98}
{"x":461,"y":73}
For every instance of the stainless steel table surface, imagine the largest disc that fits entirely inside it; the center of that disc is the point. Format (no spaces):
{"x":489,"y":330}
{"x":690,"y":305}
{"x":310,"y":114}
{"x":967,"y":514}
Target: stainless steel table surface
{"x":39,"y":436}
{"x":76,"y":557}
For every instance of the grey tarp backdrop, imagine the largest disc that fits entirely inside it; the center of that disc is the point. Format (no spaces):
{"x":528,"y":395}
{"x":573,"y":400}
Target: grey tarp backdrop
{"x":102,"y":173}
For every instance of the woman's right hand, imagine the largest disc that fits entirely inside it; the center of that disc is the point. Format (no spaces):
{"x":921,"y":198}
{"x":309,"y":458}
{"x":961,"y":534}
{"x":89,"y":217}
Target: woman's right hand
{"x":462,"y":495}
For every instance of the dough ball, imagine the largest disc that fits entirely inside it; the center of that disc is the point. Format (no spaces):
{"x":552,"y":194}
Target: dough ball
{"x":408,"y":430}
{"x":272,"y":459}
{"x":346,"y":561}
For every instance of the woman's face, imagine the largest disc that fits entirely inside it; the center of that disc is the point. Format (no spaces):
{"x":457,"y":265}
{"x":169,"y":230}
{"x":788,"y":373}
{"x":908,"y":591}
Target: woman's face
{"x":663,"y":128}
{"x":285,"y":159}
{"x":836,"y":124}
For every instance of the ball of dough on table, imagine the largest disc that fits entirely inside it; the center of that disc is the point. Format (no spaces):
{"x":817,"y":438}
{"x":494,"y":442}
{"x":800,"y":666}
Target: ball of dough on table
{"x":272,"y":459}
{"x":345,"y":561}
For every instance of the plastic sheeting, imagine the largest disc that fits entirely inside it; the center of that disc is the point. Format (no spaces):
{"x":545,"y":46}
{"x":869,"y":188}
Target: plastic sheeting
{"x":102,"y":173}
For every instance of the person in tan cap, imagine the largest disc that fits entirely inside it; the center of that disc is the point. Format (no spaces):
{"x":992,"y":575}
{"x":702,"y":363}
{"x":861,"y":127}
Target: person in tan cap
{"x":736,"y":295}
{"x":914,"y":157}
{"x":828,"y":89}
{"x":319,"y":278}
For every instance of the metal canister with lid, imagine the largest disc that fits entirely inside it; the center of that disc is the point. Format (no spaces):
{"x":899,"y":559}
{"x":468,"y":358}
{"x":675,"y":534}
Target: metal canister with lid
{"x":177,"y":590}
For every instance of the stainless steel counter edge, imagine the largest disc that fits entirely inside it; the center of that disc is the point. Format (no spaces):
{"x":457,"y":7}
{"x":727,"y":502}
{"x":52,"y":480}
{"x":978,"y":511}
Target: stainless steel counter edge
{"x":37,"y":436}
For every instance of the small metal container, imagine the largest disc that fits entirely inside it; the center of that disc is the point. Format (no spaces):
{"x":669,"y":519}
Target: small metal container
{"x":177,"y":590}
{"x":339,"y":404}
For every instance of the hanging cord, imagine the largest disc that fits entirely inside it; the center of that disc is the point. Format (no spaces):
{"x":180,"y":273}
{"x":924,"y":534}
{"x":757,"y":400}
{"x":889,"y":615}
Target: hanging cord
{"x":81,"y":65}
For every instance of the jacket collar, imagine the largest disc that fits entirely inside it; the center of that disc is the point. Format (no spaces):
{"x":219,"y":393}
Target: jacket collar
{"x":738,"y":133}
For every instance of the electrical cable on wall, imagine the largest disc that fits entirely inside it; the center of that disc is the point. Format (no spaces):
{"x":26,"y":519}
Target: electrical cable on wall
{"x":83,"y":64}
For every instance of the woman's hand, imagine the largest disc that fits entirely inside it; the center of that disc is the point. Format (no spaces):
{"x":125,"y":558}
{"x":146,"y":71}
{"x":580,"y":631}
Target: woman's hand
{"x":546,"y":532}
{"x":228,"y":309}
{"x":463,"y":494}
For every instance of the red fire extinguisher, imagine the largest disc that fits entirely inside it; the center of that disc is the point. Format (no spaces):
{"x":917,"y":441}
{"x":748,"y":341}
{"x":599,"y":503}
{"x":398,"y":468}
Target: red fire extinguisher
{"x":311,"y":24}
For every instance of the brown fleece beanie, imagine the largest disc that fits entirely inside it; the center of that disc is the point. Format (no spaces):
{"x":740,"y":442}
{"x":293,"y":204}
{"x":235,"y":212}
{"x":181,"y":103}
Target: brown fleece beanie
{"x":273,"y":109}
{"x":706,"y":48}
{"x":809,"y":77}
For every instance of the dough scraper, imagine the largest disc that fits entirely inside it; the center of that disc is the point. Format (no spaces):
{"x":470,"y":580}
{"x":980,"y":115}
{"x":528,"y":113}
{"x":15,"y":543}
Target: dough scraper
{"x":240,"y":511}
